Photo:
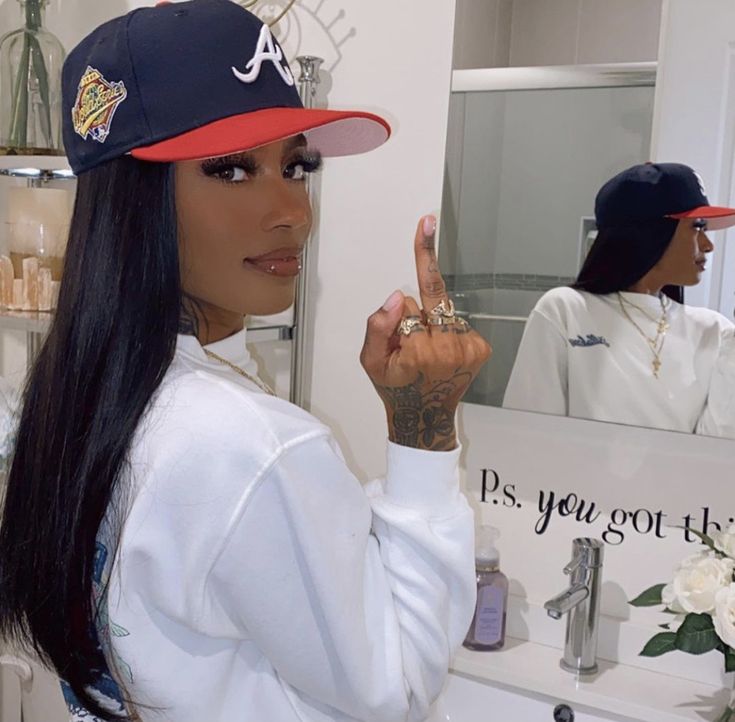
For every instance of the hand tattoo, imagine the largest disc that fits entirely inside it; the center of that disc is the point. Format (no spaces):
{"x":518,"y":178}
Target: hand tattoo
{"x":424,"y":418}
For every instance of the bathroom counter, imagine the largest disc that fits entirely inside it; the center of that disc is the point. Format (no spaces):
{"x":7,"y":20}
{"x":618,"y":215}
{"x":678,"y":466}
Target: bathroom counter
{"x":617,"y":688}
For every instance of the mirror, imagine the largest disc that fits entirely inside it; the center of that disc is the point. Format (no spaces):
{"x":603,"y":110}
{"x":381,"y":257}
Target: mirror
{"x":528,"y":150}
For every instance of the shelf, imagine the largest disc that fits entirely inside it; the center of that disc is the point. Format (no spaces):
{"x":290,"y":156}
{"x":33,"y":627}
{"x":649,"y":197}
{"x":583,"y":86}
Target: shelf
{"x":40,"y":321}
{"x":48,"y":167}
{"x":28,"y":321}
{"x":269,"y":333}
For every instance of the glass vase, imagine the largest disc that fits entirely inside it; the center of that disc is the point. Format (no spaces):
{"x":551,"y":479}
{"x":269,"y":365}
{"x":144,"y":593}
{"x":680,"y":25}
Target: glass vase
{"x":30,"y":86}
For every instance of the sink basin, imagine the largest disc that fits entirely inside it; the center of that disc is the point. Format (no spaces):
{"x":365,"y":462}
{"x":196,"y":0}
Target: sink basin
{"x":468,"y":700}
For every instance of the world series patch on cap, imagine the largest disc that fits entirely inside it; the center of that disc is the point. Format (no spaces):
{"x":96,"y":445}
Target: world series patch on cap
{"x":192,"y":80}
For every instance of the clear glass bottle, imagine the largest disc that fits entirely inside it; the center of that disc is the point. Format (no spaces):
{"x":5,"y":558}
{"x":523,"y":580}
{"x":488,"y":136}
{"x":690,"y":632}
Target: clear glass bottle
{"x":30,"y":86}
{"x":487,"y":631}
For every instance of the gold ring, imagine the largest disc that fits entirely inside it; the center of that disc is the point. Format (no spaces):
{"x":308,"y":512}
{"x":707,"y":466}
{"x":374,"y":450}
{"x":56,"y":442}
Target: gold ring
{"x":441,"y":320}
{"x":408,"y":325}
{"x":444,"y":309}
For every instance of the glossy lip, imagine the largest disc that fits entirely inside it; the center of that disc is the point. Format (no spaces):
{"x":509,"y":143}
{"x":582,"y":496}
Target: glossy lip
{"x":284,"y":262}
{"x":279,"y":254}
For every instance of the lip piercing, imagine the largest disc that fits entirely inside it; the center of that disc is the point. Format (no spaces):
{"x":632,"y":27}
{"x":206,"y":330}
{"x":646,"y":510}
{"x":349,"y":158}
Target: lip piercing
{"x":271,"y":269}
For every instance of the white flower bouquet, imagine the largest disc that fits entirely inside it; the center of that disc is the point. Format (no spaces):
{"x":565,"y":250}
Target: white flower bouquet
{"x":701,"y":598}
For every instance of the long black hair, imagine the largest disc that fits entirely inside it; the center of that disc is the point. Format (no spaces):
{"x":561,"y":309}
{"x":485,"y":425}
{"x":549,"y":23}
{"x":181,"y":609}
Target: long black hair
{"x":622,"y":255}
{"x":112,"y":338}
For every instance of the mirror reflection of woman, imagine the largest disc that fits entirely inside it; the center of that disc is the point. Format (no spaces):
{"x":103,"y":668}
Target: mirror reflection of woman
{"x":619,"y":345}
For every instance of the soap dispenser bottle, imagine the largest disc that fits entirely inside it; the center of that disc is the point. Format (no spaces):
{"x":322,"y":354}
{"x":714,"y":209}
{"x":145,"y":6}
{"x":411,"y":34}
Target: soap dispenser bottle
{"x":487,"y":631}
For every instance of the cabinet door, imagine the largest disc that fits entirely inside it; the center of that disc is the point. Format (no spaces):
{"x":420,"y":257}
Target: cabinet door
{"x":9,"y":689}
{"x":694,"y":120}
{"x":42,"y":700}
{"x":28,"y":691}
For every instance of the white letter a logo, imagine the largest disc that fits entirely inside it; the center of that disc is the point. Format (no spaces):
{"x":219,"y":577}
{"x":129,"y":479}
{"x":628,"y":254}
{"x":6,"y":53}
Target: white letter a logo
{"x":265,"y":50}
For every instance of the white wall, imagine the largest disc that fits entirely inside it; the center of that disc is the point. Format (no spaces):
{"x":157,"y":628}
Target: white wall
{"x":496,"y":33}
{"x":482,"y":33}
{"x":370,"y":205}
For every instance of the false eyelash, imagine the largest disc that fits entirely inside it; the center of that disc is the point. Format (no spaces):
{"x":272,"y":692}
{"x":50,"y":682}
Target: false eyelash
{"x":310,"y":160}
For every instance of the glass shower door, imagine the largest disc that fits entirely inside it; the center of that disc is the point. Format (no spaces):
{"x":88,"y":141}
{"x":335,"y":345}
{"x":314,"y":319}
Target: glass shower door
{"x":523,"y":168}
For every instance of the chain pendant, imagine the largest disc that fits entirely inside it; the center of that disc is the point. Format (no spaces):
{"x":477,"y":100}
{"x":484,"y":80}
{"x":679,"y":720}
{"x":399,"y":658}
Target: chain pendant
{"x":662,"y":326}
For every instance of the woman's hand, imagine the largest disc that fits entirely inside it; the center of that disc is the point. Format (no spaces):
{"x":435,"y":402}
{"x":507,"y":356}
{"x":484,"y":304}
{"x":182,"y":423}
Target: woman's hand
{"x":421,"y":377}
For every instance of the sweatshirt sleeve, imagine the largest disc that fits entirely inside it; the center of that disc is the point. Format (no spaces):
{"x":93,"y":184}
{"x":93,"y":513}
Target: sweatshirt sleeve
{"x":538,"y":381}
{"x":718,"y":416}
{"x":357,"y":596}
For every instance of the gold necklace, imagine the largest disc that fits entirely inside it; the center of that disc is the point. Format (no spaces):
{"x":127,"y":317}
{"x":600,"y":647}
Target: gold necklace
{"x":664,"y":309}
{"x":662,"y":326}
{"x":242,"y":372}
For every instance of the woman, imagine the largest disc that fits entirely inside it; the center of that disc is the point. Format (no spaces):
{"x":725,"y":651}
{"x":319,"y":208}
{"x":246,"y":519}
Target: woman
{"x":619,"y":345}
{"x":177,"y":542}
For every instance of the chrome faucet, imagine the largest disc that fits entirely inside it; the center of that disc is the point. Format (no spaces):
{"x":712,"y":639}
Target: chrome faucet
{"x":581,"y":602}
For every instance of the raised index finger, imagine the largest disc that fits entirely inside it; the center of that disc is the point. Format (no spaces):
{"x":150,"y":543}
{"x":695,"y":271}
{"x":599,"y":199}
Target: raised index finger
{"x":431,"y":284}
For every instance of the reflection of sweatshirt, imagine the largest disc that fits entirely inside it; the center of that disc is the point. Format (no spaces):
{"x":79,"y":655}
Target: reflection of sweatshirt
{"x":581,"y":356}
{"x":718,"y":418}
{"x":258,"y":581}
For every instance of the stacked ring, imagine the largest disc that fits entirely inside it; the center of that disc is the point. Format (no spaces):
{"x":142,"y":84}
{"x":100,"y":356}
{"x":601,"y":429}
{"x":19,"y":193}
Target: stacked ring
{"x":442,"y":314}
{"x":444,"y":309}
{"x":408,"y":325}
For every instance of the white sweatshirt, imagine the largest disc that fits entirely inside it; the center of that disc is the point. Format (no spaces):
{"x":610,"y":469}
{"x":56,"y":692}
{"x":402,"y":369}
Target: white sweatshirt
{"x":580,"y":356}
{"x":718,"y":418}
{"x":258,"y":581}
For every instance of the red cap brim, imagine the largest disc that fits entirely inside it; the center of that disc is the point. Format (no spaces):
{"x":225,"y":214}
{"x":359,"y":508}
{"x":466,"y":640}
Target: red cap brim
{"x":718,"y":217}
{"x":332,"y":132}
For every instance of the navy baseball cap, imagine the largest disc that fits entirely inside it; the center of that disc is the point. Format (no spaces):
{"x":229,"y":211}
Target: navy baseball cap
{"x":658,"y":190}
{"x":192,"y":80}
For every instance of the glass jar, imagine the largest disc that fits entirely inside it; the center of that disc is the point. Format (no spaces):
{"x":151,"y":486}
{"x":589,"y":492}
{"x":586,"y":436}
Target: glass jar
{"x":31,"y":266}
{"x":30,"y":86}
{"x":32,"y":247}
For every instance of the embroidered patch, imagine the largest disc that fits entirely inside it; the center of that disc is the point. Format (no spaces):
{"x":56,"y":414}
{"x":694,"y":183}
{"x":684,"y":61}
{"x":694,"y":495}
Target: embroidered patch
{"x":589,"y":340}
{"x":96,"y":103}
{"x":266,"y":50}
{"x":105,"y":691}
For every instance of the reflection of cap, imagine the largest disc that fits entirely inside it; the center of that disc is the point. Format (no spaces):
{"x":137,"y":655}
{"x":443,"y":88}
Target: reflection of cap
{"x":189,"y":80}
{"x":657,"y":190}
